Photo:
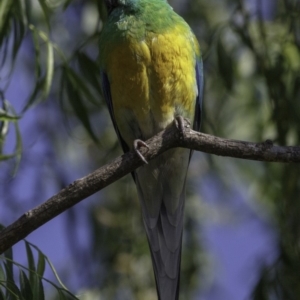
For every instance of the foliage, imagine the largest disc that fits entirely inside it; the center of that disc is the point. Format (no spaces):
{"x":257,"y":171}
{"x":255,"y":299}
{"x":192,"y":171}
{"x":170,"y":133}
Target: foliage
{"x":78,"y":73}
{"x":252,"y":92}
{"x":29,"y":282}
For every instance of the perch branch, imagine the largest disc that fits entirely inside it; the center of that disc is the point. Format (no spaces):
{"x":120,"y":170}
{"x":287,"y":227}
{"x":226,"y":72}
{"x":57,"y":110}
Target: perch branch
{"x":104,"y":176}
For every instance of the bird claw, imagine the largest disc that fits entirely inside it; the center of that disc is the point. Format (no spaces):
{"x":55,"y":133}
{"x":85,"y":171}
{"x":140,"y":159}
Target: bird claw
{"x":179,"y":123}
{"x":137,"y":144}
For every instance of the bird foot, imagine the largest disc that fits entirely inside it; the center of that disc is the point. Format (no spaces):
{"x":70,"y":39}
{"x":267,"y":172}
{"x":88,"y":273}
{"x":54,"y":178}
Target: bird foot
{"x":136,"y":145}
{"x":179,"y":123}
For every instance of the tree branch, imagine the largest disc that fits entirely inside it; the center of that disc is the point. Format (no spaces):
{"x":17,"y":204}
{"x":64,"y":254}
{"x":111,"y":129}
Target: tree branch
{"x":104,"y":176}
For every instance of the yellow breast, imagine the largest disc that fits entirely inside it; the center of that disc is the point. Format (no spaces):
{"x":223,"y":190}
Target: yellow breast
{"x":152,"y":81}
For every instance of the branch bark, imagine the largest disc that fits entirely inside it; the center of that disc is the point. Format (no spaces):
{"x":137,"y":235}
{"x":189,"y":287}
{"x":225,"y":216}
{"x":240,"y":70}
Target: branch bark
{"x":104,"y":176}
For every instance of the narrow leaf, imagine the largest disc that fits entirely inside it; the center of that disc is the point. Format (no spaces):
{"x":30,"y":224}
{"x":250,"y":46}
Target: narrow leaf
{"x":38,"y":291}
{"x":5,"y":6}
{"x":6,"y":157}
{"x":8,"y":255}
{"x":19,"y":33}
{"x":90,"y":70}
{"x":81,"y":86}
{"x":6,"y":116}
{"x":2,"y":273}
{"x":34,"y":97}
{"x":24,"y":12}
{"x":55,"y":273}
{"x":73,"y":93}
{"x":18,"y":149}
{"x":46,"y":12}
{"x":41,"y":264}
{"x":12,"y":291}
{"x":62,"y":296}
{"x":19,"y":146}
{"x":31,"y":264}
{"x":50,"y":69}
{"x":50,"y":264}
{"x":26,"y":290}
{"x":225,"y":64}
{"x":2,"y":296}
{"x":37,"y":50}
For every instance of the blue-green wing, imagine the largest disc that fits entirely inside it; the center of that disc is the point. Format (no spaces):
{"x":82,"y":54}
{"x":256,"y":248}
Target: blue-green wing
{"x":105,"y":85}
{"x":199,"y":99}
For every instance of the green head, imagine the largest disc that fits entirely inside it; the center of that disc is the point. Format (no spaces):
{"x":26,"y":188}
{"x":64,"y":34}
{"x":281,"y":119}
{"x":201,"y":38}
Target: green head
{"x":112,"y":4}
{"x":136,"y":17}
{"x":129,"y":4}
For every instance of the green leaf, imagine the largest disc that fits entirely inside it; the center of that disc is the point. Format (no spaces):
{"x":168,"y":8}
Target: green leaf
{"x":80,"y":84}
{"x":2,"y":273}
{"x":26,"y":290}
{"x":6,"y":116}
{"x":4,"y":125}
{"x":225,"y":64}
{"x":55,"y":273}
{"x":6,"y":157}
{"x":44,"y":83}
{"x":90,"y":70}
{"x":5,"y":6}
{"x":31,"y":288}
{"x":31,"y":263}
{"x":50,"y":264}
{"x":38,"y":290}
{"x":74,"y":95}
{"x":37,"y":50}
{"x":8,"y":112}
{"x":8,"y":255}
{"x":50,"y":70}
{"x":19,"y":147}
{"x":12,"y":290}
{"x":12,"y":31}
{"x":46,"y":12}
{"x":35,"y":98}
{"x":19,"y":33}
{"x":2,"y":296}
{"x":41,"y":264}
{"x":62,"y":296}
{"x":24,"y":11}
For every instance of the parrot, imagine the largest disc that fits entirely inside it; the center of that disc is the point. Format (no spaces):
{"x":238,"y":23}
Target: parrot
{"x":151,"y":74}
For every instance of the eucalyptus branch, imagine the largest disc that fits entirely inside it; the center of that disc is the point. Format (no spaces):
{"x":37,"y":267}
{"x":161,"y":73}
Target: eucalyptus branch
{"x":104,"y":176}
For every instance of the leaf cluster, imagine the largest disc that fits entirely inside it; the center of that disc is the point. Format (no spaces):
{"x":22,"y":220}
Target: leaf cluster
{"x":18,"y":282}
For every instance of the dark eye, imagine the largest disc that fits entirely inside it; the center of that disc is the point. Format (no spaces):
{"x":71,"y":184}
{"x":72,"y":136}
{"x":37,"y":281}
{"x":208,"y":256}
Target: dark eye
{"x":111,"y":5}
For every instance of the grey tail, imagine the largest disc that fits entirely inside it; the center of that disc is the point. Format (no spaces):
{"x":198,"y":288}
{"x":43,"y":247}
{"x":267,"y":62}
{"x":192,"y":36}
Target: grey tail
{"x":161,"y":189}
{"x":167,"y":287}
{"x":164,"y":233}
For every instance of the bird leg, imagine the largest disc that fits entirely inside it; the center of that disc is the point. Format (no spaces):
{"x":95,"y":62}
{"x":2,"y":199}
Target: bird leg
{"x":136,"y":145}
{"x":179,"y":123}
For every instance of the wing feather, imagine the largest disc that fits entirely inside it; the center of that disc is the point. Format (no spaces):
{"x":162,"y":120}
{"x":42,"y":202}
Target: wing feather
{"x":108,"y":99}
{"x":199,"y":99}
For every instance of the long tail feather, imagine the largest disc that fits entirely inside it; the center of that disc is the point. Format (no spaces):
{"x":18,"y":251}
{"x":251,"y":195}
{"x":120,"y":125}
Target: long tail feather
{"x":164,"y":226}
